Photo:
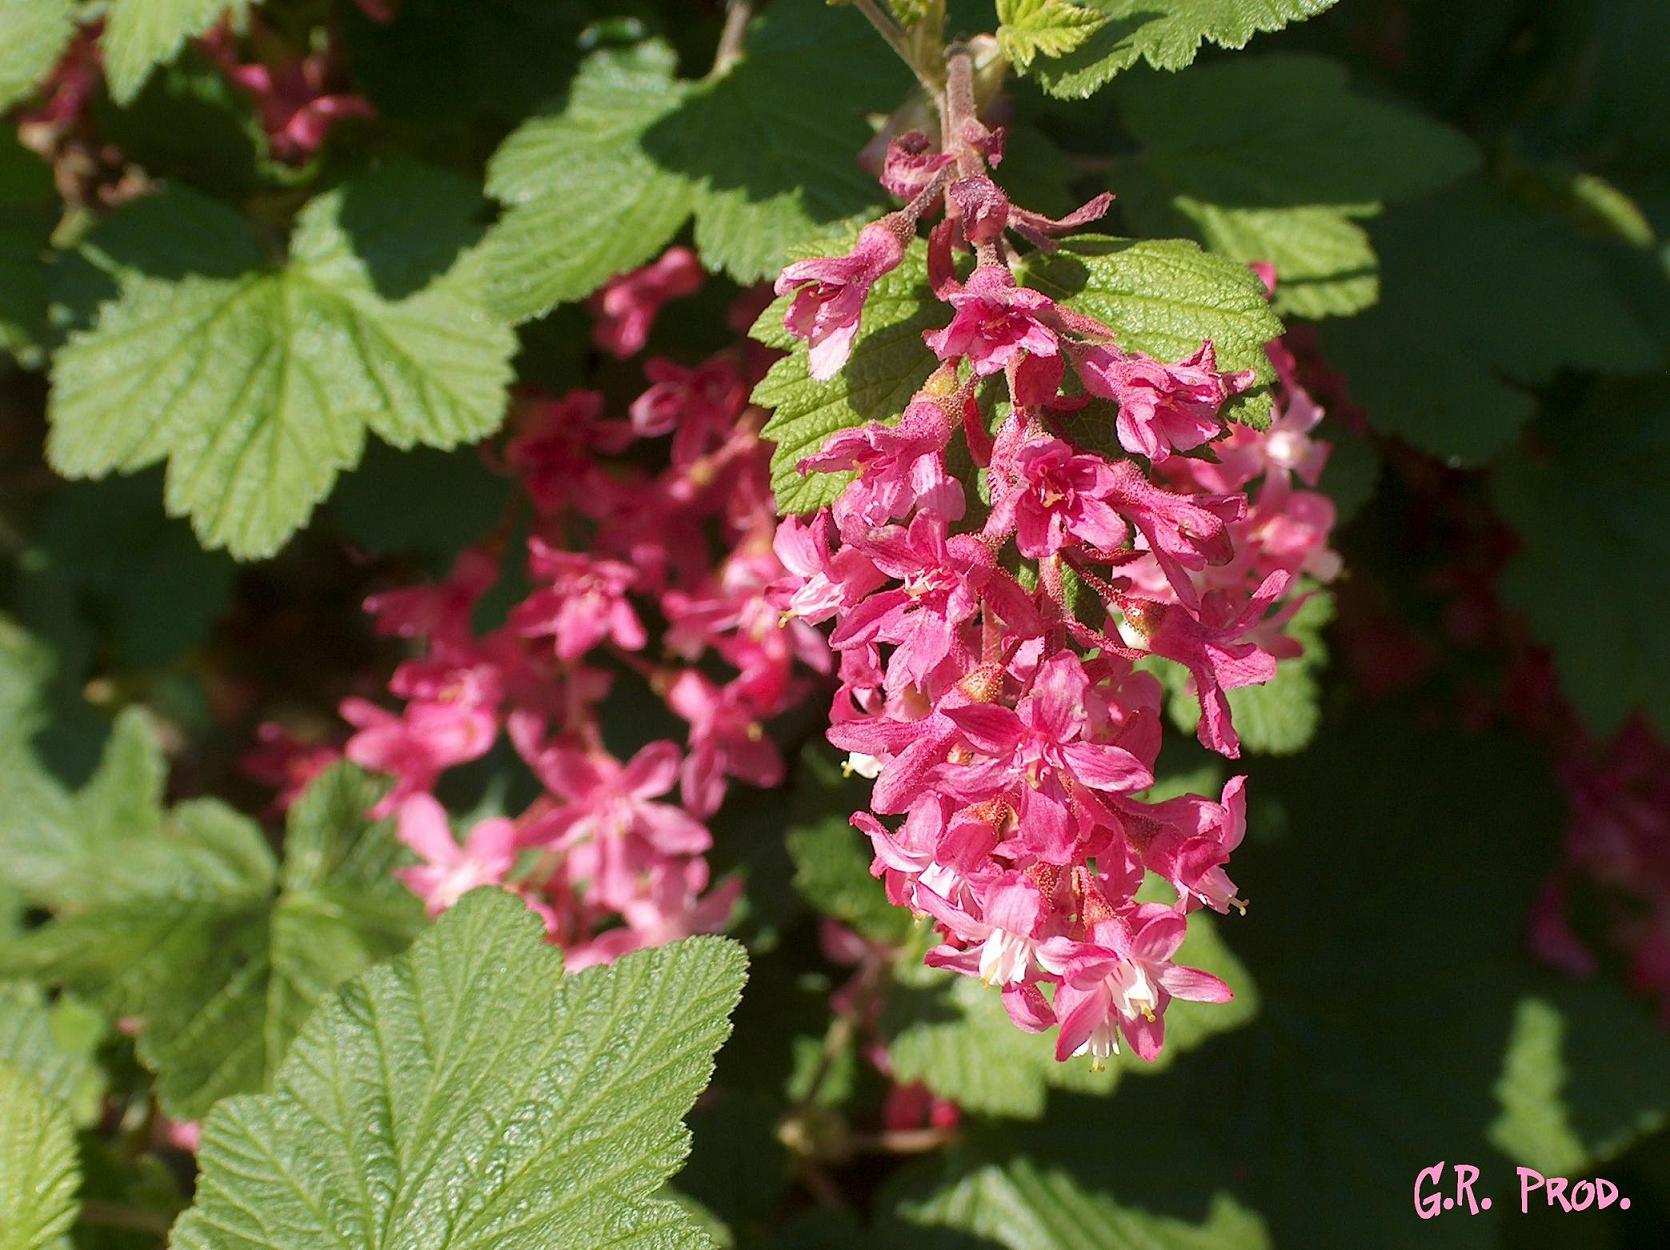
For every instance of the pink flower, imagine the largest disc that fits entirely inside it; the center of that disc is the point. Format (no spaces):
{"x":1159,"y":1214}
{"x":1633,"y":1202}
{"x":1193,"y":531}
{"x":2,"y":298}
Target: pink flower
{"x":294,"y":98}
{"x":726,"y":740}
{"x":1184,"y":532}
{"x":552,"y":450}
{"x":944,"y":582}
{"x":996,"y":323}
{"x":1008,"y":928}
{"x":626,"y":307}
{"x":440,"y":612}
{"x":583,"y":603}
{"x":184,"y":1134}
{"x":286,"y":762}
{"x":1162,"y":408}
{"x":450,"y":871}
{"x":1055,"y":497}
{"x":1121,"y":983}
{"x":696,"y":406}
{"x":911,"y":164}
{"x":830,"y":292}
{"x":1043,"y":748}
{"x":818,"y":583}
{"x":419,"y":745}
{"x":650,"y":925}
{"x":900,"y":467}
{"x":605,"y":799}
{"x":1216,"y":649}
{"x":1188,"y":839}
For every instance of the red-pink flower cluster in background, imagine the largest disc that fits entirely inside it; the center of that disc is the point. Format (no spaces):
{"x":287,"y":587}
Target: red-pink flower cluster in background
{"x":298,"y":97}
{"x":635,"y":575}
{"x":1617,"y":854}
{"x":994,"y":654}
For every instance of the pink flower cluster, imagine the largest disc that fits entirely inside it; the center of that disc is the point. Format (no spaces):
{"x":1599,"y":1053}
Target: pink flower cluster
{"x":657,"y":576}
{"x":298,"y":97}
{"x":995,"y":648}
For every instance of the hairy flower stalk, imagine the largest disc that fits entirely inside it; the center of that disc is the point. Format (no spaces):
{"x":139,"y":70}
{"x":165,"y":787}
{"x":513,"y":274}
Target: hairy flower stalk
{"x":996,"y":648}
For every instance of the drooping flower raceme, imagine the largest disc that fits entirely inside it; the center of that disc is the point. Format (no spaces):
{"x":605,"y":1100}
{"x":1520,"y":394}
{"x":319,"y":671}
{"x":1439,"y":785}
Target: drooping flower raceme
{"x":994,"y":656}
{"x":657,"y":579}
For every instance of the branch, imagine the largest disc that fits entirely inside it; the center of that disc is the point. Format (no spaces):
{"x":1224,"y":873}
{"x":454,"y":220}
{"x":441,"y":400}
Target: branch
{"x":889,"y":30}
{"x":733,"y":37}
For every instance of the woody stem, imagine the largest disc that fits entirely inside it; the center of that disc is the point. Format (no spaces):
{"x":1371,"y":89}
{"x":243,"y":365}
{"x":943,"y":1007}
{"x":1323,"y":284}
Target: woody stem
{"x":889,"y":30}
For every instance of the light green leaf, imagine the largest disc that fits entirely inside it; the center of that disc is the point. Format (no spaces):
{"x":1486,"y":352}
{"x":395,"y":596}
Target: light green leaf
{"x":1592,"y":493}
{"x":1269,"y":158}
{"x":1167,"y":34}
{"x":1031,"y":28}
{"x":1465,"y":324}
{"x":951,"y":1033}
{"x":200,"y":936}
{"x":139,"y":35}
{"x":1324,"y":262}
{"x":584,"y":201}
{"x":258,"y":385}
{"x":36,"y":33}
{"x":1281,"y":716}
{"x":1163,"y":297}
{"x":469,"y":1095}
{"x":889,"y":364}
{"x":38,"y":1171}
{"x":39,"y":1040}
{"x":1019,"y":1205}
{"x":28,"y":212}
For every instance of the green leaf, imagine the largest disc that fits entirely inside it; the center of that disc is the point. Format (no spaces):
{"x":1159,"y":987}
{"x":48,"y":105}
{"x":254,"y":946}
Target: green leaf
{"x":38,"y":1171}
{"x":158,"y":589}
{"x":52,"y":1045}
{"x":36,"y":33}
{"x":1286,"y":131}
{"x":1592,"y":493}
{"x":831,"y":858}
{"x":770,"y":172}
{"x":1465,"y":324}
{"x":1269,"y":158}
{"x":470,"y":1095}
{"x":889,"y":364}
{"x":258,"y":385}
{"x":445,"y":67}
{"x":951,"y":1033}
{"x":28,"y":212}
{"x":1014,"y":1203}
{"x":139,"y":35}
{"x":1324,"y":261}
{"x":1281,"y":716}
{"x":381,"y":506}
{"x":1167,"y":34}
{"x":605,"y":184}
{"x":1050,"y":28}
{"x":220,"y":953}
{"x":1163,"y":297}
{"x":584,"y":201}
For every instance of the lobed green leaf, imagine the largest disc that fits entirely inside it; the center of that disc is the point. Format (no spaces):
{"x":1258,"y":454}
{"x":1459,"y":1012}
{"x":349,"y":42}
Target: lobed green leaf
{"x":256,"y":385}
{"x":469,"y":1094}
